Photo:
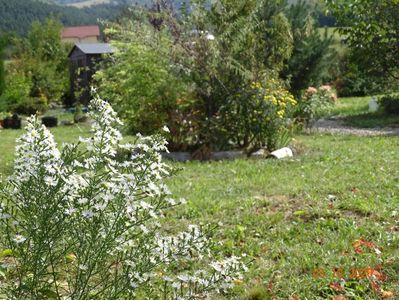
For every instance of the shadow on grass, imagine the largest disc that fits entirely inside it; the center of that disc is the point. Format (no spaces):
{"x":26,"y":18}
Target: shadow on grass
{"x":372,"y":120}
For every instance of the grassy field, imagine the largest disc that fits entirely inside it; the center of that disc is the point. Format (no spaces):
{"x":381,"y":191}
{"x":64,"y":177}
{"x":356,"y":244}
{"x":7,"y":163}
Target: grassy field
{"x":301,"y":215}
{"x":354,"y":111}
{"x":346,"y":107}
{"x":322,"y":224}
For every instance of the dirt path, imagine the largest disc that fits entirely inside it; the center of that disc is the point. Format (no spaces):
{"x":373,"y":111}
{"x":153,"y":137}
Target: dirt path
{"x":337,"y":126}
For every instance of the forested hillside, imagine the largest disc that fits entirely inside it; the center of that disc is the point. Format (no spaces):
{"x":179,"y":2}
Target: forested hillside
{"x":323,"y":19}
{"x":17,"y":15}
{"x":175,"y":3}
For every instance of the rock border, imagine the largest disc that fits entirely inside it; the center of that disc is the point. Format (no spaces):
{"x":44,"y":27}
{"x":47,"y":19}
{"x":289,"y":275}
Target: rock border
{"x":215,"y":156}
{"x":229,"y":155}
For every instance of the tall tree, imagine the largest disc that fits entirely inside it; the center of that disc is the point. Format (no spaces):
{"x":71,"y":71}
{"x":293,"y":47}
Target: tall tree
{"x":371,"y":29}
{"x":43,"y":57}
{"x":313,"y":55}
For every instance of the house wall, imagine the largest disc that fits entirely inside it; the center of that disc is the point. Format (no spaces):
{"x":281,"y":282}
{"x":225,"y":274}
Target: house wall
{"x":77,"y":74}
{"x":82,"y":67}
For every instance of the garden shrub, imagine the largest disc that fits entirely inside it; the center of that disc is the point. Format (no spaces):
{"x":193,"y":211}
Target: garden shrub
{"x":17,"y":90}
{"x":314,"y":103}
{"x":16,"y":97}
{"x":37,"y":73}
{"x":30,"y":105}
{"x":259,"y":114}
{"x":83,"y":223}
{"x":389,"y":103}
{"x":142,"y":80}
{"x":223,"y":68}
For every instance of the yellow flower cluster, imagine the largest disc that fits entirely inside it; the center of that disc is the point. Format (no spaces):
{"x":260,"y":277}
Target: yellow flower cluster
{"x":275,"y":94}
{"x":281,"y":113}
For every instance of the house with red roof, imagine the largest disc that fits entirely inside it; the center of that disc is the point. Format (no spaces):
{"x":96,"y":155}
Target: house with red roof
{"x":81,"y":34}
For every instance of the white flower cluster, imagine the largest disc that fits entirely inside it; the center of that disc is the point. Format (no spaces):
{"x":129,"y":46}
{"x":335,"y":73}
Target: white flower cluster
{"x":102,"y":206}
{"x":222,"y":277}
{"x":106,"y":138}
{"x":37,"y":155}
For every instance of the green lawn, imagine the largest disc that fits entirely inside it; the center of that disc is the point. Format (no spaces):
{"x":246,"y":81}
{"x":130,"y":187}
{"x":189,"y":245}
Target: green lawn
{"x":63,"y":134}
{"x":299,"y":219}
{"x":354,"y":111}
{"x":350,"y":106}
{"x":298,"y":215}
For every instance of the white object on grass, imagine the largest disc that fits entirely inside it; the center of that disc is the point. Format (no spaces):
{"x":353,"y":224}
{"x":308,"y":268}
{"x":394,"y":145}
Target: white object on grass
{"x":373,"y":105}
{"x":282,"y":153}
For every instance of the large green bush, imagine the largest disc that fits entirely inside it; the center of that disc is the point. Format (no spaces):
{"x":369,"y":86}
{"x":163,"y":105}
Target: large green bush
{"x":355,"y":79}
{"x":251,"y":41}
{"x":17,"y":96}
{"x":390,"y":103}
{"x":143,"y":80}
{"x":371,"y":29}
{"x":17,"y":90}
{"x":37,"y":74}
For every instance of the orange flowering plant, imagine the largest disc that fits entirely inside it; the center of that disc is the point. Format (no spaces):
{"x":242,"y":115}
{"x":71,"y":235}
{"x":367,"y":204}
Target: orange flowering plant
{"x":315,"y":102}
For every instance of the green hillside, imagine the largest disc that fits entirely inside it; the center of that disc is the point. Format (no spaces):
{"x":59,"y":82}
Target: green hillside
{"x":17,"y":15}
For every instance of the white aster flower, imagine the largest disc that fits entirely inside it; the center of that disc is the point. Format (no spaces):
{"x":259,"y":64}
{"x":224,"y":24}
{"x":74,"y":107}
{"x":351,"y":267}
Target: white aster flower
{"x":19,"y":239}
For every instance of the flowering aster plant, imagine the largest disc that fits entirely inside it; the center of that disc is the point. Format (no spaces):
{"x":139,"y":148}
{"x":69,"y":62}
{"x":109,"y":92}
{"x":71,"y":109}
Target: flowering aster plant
{"x":86,"y":222}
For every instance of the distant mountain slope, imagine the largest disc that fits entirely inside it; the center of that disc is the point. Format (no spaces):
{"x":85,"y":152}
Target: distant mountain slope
{"x":85,"y":3}
{"x":88,"y":3}
{"x":81,"y":2}
{"x":17,"y":15}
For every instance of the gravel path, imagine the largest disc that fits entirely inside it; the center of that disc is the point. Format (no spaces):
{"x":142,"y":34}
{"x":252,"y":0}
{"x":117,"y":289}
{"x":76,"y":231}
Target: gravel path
{"x":337,"y":126}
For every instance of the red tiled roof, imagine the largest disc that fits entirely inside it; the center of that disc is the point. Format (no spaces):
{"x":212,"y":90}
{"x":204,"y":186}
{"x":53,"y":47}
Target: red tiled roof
{"x":80,"y":31}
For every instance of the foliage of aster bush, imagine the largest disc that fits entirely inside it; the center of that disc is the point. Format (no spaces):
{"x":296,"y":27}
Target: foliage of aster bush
{"x":85,"y":222}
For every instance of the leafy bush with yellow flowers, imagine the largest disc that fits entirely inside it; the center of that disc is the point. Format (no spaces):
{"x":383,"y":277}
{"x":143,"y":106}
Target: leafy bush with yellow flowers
{"x":260,"y":115}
